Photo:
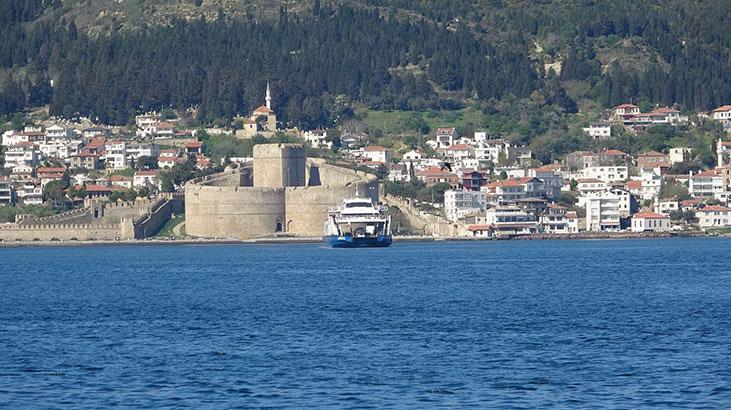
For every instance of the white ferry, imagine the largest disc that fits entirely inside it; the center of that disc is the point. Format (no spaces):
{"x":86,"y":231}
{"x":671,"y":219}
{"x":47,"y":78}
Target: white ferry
{"x":358,"y":223}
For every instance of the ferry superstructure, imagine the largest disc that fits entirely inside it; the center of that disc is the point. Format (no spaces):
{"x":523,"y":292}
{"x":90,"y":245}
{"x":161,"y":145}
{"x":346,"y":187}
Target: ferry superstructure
{"x":358,"y":223}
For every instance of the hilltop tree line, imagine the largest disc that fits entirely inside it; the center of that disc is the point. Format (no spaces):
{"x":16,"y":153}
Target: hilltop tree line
{"x":375,"y":56}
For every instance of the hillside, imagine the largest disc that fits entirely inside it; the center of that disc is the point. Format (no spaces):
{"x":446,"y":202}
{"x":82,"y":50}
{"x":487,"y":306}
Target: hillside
{"x":112,"y":58}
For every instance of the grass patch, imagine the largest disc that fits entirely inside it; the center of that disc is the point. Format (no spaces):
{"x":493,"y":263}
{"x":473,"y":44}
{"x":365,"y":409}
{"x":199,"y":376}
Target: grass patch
{"x":396,"y":122}
{"x":167,"y":229}
{"x":719,"y":231}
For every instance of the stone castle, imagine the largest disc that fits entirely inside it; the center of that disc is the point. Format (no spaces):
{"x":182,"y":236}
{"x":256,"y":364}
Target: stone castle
{"x":280,"y":192}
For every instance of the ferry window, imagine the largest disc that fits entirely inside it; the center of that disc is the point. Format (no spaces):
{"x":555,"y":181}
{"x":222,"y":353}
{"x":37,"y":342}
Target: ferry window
{"x":357,"y":205}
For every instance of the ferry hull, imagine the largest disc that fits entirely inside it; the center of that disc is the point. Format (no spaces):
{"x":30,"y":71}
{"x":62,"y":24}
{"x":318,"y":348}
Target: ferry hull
{"x":380,"y":241}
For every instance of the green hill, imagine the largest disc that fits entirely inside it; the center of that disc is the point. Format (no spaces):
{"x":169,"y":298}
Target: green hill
{"x":112,"y":58}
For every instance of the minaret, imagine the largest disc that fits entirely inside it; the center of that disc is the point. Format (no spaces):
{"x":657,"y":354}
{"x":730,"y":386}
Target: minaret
{"x":268,"y":97}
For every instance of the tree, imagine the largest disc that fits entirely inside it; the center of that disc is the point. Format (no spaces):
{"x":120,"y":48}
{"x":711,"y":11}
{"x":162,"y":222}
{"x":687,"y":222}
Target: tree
{"x":167,"y":114}
{"x":54,"y":192}
{"x":17,"y":121}
{"x":146,"y":163}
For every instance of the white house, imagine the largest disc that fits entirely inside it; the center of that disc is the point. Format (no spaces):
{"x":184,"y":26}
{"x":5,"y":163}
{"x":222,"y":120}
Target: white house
{"x":599,"y":130}
{"x":317,"y":138}
{"x":56,"y":132}
{"x":22,"y":154}
{"x":665,"y":206}
{"x":147,"y":125}
{"x":602,"y":211}
{"x":413,"y":155}
{"x":511,"y":220}
{"x":116,"y":155}
{"x":722,"y":114}
{"x":7,"y":191}
{"x":605,"y":174}
{"x":457,"y":152}
{"x":556,"y":219}
{"x":458,"y":203}
{"x":376,"y":153}
{"x":714,"y":216}
{"x":711,"y":183}
{"x":146,"y":178}
{"x":650,"y":222}
{"x":681,"y":154}
{"x":552,"y":180}
{"x":445,"y":137}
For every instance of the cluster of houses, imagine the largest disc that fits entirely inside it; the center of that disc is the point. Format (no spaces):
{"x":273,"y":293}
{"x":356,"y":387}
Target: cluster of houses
{"x":495,"y":191}
{"x":91,"y":157}
{"x":630,"y":116}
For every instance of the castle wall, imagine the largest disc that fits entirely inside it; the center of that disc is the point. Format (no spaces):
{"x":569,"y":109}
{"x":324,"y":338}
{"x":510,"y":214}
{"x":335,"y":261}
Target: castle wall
{"x":228,"y":212}
{"x":47,"y":232}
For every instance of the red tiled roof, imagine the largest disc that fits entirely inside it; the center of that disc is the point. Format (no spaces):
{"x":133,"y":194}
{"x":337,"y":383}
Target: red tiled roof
{"x":459,"y":147}
{"x":263,"y":110}
{"x":649,"y":215}
{"x":194,"y":144}
{"x":525,"y":180}
{"x":434,"y":171}
{"x":626,"y":106}
{"x":49,"y":170}
{"x":664,"y":110}
{"x":614,"y":152}
{"x":723,"y":108}
{"x":687,"y":202}
{"x":115,"y":178}
{"x":507,"y":182}
{"x":152,"y":172}
{"x":96,"y":188}
{"x":707,"y":173}
{"x":445,"y":131}
{"x":474,"y":228}
{"x":634,"y":184}
{"x":95,"y":142}
{"x":715,"y":208}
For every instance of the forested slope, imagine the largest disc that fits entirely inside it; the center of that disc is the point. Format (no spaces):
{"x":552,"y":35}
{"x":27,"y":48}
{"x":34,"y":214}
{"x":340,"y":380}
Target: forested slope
{"x":112,"y":59}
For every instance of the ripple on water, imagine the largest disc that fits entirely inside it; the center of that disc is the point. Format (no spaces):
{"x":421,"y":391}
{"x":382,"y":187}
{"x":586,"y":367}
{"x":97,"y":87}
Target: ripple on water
{"x":484,"y":324}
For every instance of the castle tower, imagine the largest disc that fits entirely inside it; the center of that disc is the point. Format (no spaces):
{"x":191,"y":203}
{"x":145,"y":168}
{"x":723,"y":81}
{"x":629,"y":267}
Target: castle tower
{"x":268,"y":97}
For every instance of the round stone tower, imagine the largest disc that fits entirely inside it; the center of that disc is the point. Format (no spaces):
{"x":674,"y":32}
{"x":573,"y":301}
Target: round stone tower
{"x":279,"y":165}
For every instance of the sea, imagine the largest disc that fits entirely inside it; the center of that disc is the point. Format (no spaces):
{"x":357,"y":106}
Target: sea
{"x":494,"y":324}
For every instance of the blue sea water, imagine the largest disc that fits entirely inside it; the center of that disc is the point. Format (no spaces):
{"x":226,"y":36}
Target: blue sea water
{"x":508,"y":324}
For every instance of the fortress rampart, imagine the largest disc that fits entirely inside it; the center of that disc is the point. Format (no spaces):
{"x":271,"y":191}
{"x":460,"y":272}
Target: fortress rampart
{"x":293,"y":198}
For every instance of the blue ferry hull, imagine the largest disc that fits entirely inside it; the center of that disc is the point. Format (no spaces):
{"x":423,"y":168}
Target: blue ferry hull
{"x":380,"y":241}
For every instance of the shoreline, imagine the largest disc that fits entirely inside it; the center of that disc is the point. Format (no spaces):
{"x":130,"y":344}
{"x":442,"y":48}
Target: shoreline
{"x":309,"y":240}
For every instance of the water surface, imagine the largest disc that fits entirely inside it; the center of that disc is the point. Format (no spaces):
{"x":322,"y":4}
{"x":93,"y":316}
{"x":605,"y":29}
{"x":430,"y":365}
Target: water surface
{"x":630,"y":323}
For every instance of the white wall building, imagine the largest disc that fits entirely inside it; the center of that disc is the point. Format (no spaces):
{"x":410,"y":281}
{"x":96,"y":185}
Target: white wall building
{"x":458,"y":203}
{"x":681,"y":154}
{"x":714,"y":216}
{"x":602,"y":212}
{"x":650,"y":222}
{"x":605,"y":174}
{"x":599,"y":130}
